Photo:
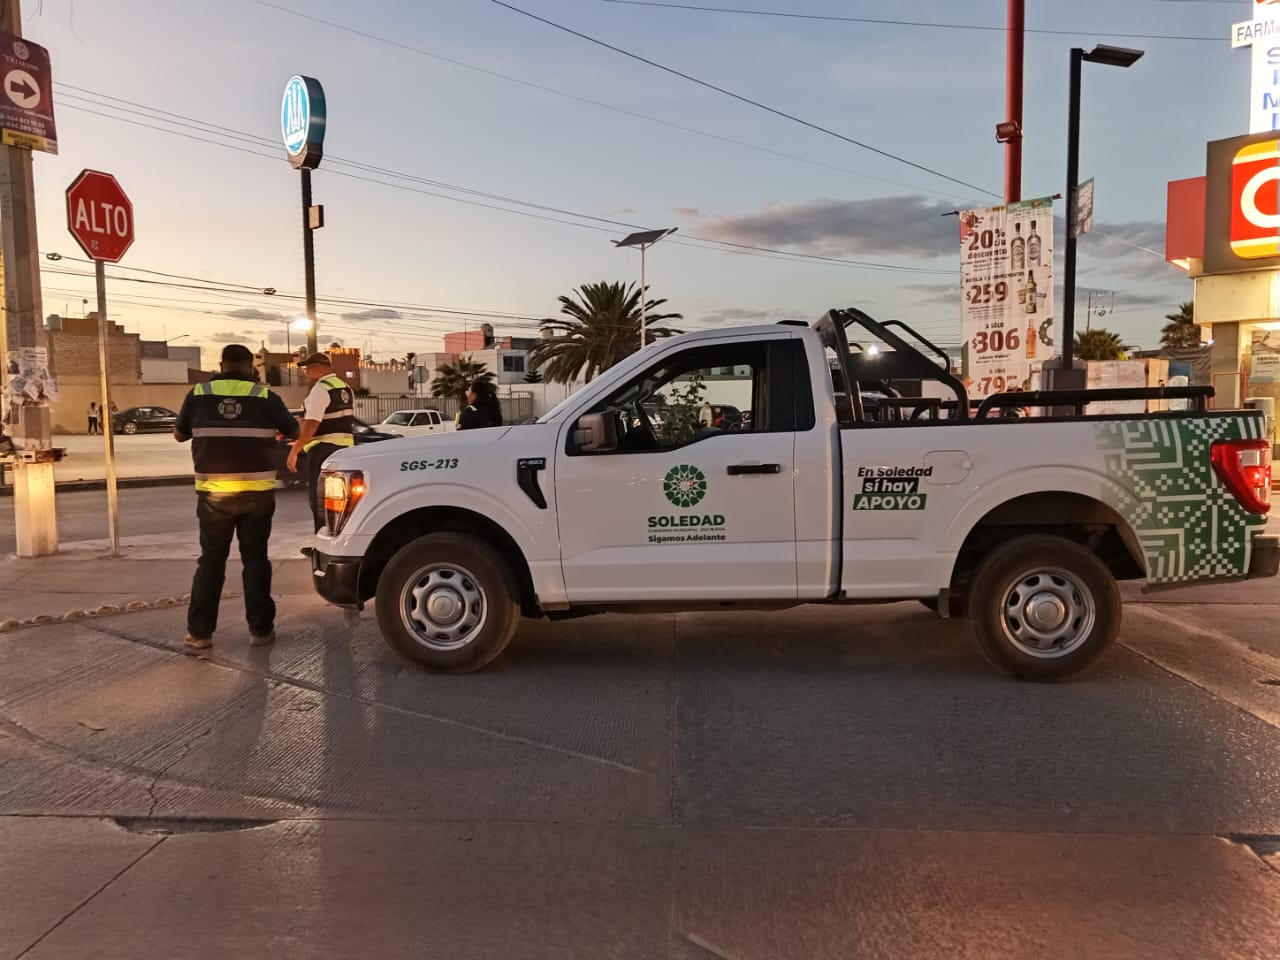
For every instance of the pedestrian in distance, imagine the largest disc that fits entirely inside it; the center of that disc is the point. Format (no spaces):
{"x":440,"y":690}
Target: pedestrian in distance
{"x":232,"y":423}
{"x":328,"y":426}
{"x":482,"y":409}
{"x":93,"y":419}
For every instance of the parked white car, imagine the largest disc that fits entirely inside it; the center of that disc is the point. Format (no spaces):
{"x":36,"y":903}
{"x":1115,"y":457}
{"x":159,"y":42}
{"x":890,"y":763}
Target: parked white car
{"x":416,"y":423}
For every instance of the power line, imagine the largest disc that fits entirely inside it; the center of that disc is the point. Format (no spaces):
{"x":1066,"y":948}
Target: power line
{"x":743,"y":99}
{"x":411,"y":322}
{"x":769,"y":252}
{"x":897,"y":23}
{"x":587,"y":100}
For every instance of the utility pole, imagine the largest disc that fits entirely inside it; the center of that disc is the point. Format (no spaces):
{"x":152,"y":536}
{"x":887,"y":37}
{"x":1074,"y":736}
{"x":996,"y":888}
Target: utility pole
{"x":1013,"y":100}
{"x":23,"y":329}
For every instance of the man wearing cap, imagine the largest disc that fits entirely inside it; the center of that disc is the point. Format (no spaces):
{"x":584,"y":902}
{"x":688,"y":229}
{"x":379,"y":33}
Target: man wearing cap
{"x":232,"y":423}
{"x":327,"y":425}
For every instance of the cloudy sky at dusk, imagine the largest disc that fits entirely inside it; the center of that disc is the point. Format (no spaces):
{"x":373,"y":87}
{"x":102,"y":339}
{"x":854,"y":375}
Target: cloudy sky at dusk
{"x":478,"y":162}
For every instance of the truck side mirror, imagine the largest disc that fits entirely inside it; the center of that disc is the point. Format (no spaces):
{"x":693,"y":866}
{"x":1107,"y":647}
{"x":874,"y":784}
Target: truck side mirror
{"x":596,"y":433}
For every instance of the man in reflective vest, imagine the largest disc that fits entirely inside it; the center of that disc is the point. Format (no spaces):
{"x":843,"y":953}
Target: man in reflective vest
{"x":327,"y":425}
{"x":233,"y":423}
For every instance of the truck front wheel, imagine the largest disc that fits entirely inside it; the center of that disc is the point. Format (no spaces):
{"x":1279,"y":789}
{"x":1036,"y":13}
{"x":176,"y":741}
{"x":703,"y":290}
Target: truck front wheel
{"x":1043,"y":608}
{"x":448,"y":601}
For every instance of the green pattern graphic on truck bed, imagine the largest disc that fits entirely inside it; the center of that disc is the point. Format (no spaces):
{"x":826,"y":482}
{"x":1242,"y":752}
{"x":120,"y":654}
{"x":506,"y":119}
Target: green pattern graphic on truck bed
{"x":1161,"y":481}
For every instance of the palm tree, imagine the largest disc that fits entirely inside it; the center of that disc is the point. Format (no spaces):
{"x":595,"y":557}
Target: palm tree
{"x":534,"y":376}
{"x":1099,"y":344}
{"x":602,"y":327}
{"x":454,"y":379}
{"x":1181,"y":330}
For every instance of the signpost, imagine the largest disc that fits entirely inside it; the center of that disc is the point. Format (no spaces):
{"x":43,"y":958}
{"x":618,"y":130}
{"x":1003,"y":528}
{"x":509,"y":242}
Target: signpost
{"x":1082,"y":209}
{"x":100,"y":217}
{"x":26,"y":108}
{"x":302,"y":125}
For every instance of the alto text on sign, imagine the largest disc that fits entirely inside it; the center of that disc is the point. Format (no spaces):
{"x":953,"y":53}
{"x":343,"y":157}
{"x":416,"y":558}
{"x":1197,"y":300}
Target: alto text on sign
{"x":100,"y":216}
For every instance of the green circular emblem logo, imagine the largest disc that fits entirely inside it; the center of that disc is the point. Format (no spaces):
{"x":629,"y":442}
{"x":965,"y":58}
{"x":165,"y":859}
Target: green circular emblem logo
{"x":685,"y":486}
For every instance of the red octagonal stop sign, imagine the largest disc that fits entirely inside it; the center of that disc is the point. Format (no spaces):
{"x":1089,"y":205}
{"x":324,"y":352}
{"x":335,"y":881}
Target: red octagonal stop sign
{"x":100,"y":216}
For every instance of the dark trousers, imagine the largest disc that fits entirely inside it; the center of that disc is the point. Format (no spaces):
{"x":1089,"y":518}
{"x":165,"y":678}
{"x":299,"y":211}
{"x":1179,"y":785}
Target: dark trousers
{"x":247,"y":518}
{"x":93,"y":425}
{"x":316,"y":457}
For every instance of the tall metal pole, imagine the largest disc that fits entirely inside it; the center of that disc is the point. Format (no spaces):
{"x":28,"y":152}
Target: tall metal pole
{"x":309,"y":259}
{"x":21,"y":327}
{"x":108,"y":432}
{"x":644,"y":324}
{"x":1073,"y":175}
{"x":1013,"y":100}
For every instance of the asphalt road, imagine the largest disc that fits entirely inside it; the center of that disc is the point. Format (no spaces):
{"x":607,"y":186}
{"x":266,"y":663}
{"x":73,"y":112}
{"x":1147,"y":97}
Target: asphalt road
{"x":82,"y":515}
{"x":818,"y":783}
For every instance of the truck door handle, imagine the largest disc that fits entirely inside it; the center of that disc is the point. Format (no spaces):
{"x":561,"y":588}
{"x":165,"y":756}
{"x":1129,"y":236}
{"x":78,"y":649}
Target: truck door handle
{"x":739,"y":469}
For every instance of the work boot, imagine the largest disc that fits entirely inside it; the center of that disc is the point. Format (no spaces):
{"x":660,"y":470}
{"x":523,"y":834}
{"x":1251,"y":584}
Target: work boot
{"x":197,"y":643}
{"x":262,"y":641}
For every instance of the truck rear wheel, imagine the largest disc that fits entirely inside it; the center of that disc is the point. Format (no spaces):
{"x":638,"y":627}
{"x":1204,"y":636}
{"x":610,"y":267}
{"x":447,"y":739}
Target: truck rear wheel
{"x":448,"y":601}
{"x":1043,"y":608}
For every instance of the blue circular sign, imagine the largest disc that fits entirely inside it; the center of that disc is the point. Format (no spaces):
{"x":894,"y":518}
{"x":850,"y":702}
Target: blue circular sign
{"x":302,"y":114}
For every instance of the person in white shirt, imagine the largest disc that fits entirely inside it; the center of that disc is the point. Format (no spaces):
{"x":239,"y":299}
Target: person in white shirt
{"x":328,"y":422}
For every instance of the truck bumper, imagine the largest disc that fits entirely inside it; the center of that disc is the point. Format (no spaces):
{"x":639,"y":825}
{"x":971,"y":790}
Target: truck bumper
{"x":337,"y":579}
{"x":1265,"y":561}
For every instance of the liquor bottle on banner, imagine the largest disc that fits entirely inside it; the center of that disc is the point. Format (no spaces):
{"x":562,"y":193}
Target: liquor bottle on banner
{"x":1033,"y":246}
{"x":1017,"y":250}
{"x":1031,"y":339}
{"x":1031,"y":291}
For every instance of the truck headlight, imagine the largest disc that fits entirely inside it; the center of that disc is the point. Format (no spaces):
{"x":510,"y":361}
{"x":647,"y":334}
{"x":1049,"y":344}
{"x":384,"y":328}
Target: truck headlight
{"x":343,"y":489}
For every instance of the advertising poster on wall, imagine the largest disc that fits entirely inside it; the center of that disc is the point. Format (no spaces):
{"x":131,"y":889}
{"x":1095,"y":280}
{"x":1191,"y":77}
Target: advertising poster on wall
{"x":1006,"y":276}
{"x":1265,"y":351}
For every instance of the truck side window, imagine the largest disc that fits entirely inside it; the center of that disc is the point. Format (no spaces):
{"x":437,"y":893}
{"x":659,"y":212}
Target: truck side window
{"x":703,"y":392}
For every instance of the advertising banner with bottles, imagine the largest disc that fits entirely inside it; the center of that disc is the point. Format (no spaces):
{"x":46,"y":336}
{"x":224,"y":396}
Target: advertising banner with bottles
{"x":1006,"y":275}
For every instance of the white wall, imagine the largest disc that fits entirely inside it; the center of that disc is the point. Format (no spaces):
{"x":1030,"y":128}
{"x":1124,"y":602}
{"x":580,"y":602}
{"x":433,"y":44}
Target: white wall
{"x":545,"y":395}
{"x":385,"y":381}
{"x":164,"y":371}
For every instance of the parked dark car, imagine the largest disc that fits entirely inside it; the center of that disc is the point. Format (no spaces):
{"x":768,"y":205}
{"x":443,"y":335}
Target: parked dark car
{"x":143,"y":420}
{"x":362,"y":432}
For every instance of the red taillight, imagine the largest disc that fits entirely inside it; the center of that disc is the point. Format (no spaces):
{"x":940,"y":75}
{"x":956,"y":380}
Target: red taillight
{"x":1244,"y":467}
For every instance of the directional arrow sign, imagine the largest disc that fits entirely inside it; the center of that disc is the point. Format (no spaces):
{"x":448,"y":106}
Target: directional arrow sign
{"x":21,"y":88}
{"x":26,"y":107}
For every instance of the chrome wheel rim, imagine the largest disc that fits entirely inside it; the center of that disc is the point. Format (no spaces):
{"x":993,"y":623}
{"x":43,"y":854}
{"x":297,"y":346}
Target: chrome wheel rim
{"x":443,"y":607}
{"x":1047,"y":613}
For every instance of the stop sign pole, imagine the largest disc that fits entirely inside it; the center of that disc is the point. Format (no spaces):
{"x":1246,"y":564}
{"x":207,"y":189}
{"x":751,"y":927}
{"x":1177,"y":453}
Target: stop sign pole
{"x":100,"y":217}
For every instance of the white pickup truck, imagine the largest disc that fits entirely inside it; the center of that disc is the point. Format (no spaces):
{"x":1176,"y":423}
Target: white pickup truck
{"x":415,"y":423}
{"x":624,"y":498}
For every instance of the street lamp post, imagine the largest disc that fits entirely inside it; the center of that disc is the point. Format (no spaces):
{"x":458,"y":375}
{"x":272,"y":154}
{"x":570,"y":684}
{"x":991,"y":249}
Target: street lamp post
{"x":1112,"y":57}
{"x":644,"y":240}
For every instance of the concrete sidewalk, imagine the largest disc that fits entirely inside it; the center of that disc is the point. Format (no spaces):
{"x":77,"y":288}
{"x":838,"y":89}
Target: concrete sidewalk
{"x":142,"y":456}
{"x":83,"y":578}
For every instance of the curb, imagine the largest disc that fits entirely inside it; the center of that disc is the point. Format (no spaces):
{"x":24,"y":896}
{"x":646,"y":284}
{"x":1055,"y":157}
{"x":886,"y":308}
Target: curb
{"x":106,"y":610}
{"x":123,"y":483}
